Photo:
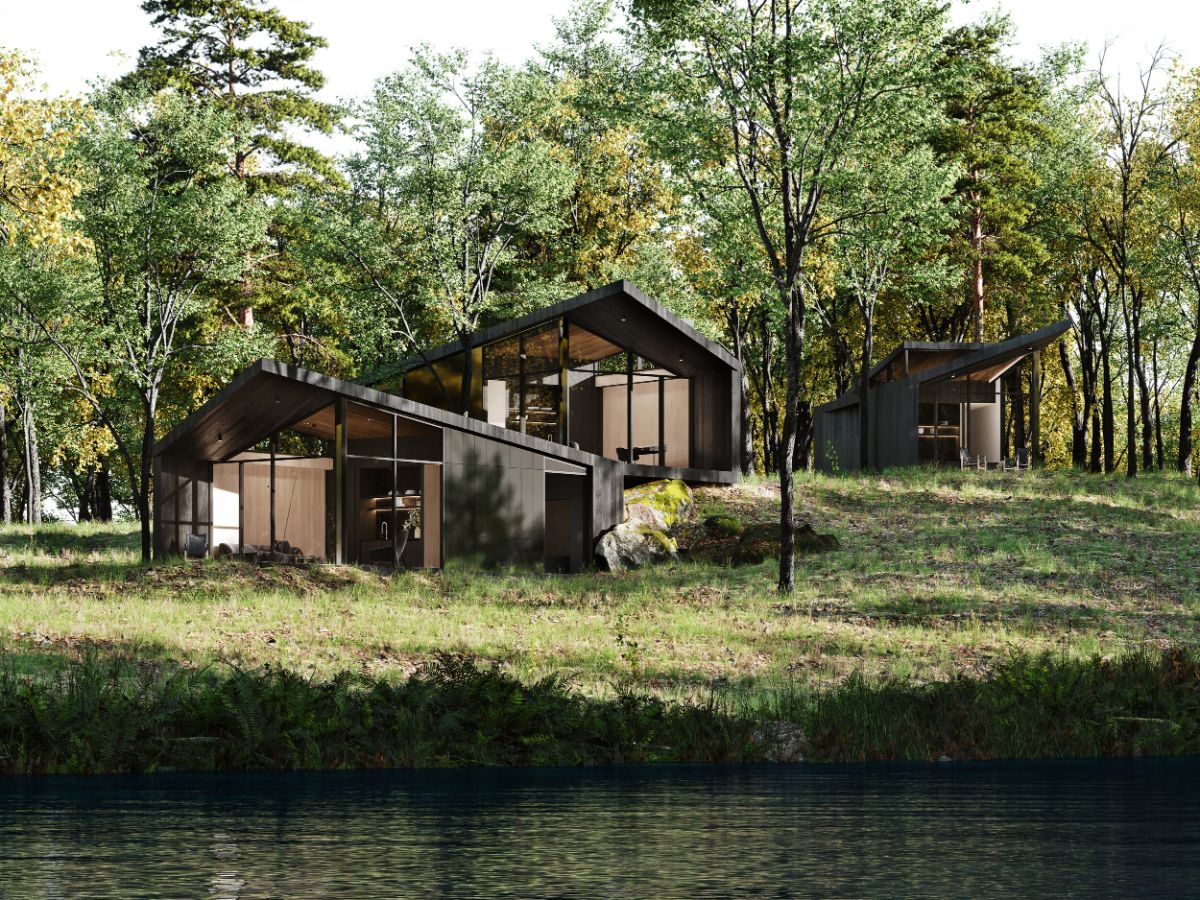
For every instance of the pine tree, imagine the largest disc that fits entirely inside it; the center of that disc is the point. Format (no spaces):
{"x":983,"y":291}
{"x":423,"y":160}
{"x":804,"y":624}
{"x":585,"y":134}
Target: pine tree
{"x":993,"y":110}
{"x":256,"y":61}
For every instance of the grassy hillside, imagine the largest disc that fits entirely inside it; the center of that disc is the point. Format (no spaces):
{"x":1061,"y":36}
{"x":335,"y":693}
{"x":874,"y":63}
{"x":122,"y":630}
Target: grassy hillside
{"x":938,"y":574}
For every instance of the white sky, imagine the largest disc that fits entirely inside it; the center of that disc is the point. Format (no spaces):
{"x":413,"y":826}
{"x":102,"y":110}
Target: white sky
{"x":76,"y":40}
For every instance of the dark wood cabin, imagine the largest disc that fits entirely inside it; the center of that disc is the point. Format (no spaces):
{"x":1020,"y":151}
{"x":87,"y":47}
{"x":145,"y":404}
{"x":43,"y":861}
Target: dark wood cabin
{"x":929,"y":402}
{"x":562,"y":409}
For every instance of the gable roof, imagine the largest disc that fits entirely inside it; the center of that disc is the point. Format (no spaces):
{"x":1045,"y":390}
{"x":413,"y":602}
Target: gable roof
{"x":950,"y":359}
{"x":619,"y":312}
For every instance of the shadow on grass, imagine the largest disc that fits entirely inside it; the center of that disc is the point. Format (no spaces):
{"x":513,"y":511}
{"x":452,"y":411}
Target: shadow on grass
{"x":57,"y":540}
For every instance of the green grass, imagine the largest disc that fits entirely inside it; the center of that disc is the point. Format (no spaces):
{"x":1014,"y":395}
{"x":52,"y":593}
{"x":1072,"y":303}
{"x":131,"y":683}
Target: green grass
{"x":945,"y":589}
{"x":939,"y":574}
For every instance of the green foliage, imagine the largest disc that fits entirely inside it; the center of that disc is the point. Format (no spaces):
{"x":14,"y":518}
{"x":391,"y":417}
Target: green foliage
{"x":1142,"y":704}
{"x":112,"y":714}
{"x":995,"y":127}
{"x":255,"y":61}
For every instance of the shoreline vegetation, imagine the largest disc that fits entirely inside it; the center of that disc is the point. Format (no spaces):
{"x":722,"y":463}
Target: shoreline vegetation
{"x":962,"y":615}
{"x":118,"y":716}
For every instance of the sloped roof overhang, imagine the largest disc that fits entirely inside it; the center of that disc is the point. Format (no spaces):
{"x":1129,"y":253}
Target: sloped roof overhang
{"x":989,"y":361}
{"x":269,"y":396}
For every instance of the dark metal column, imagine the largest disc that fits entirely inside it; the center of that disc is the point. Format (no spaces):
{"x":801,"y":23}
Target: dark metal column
{"x":662,"y":425}
{"x":564,"y":382}
{"x":392,"y":495}
{"x":274,"y":450}
{"x":1035,"y":409}
{"x":241,"y":507}
{"x":339,"y":481}
{"x":521,"y":383}
{"x":629,"y":405}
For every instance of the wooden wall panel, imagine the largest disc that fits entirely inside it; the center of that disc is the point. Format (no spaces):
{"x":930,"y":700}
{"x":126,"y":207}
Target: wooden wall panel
{"x":676,"y":404}
{"x":431,"y":516}
{"x":645,"y":417}
{"x":613,"y":428}
{"x":711,"y":426}
{"x":299,"y":504}
{"x":894,"y":424}
{"x":225,"y":504}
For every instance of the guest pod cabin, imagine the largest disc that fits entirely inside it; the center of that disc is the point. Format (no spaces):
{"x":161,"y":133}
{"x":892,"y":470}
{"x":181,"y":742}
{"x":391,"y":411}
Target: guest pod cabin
{"x":932,"y":404}
{"x":512,"y":446}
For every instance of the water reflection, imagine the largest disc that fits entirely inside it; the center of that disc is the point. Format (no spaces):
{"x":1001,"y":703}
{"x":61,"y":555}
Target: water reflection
{"x":1084,"y":828}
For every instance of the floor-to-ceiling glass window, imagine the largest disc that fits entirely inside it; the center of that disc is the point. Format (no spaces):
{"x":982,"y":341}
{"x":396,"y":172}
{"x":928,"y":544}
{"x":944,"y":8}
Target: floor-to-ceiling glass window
{"x":279,"y":499}
{"x":521,"y":382}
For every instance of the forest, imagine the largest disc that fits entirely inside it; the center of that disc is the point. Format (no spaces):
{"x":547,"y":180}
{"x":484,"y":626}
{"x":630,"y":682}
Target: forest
{"x":809,"y":181}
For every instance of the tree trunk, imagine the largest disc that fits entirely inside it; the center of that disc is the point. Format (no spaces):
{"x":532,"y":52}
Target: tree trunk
{"x":1018,"y":406}
{"x":793,"y":299}
{"x":1131,"y":460}
{"x":102,"y":508}
{"x":864,"y":377}
{"x":977,"y":273}
{"x":746,"y":451}
{"x":1089,"y":370}
{"x":1158,"y":436}
{"x":770,"y":412}
{"x":804,"y":436}
{"x":33,"y":465}
{"x":1185,"y":406}
{"x":1107,"y":413}
{"x":1146,"y":415}
{"x":141,"y":490}
{"x":1078,"y":413}
{"x":5,"y":489}
{"x":83,"y":493}
{"x":977,"y":276}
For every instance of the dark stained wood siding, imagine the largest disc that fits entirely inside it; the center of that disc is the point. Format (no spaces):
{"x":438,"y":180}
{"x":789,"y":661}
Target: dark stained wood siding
{"x":893,"y":408}
{"x":182,"y":502}
{"x":494,"y":501}
{"x":835,"y":440}
{"x":714,"y":417}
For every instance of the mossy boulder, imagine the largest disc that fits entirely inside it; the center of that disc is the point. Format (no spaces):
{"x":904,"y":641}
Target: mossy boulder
{"x":653,"y":511}
{"x":660,"y":505}
{"x":632,"y":545}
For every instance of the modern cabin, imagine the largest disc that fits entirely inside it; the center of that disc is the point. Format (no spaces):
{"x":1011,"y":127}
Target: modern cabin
{"x":513,"y":446}
{"x":931,"y":404}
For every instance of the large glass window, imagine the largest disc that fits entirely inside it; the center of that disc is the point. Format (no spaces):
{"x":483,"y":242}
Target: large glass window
{"x":280,"y":498}
{"x":521,"y":382}
{"x":618,"y":404}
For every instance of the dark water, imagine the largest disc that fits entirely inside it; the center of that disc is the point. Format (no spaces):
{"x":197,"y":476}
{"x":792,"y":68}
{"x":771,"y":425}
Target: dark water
{"x":1085,"y":829}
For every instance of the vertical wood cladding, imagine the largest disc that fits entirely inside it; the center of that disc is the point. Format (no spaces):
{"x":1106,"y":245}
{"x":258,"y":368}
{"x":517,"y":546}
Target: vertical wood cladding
{"x":715,"y":417}
{"x":182,"y":502}
{"x":494,"y":501}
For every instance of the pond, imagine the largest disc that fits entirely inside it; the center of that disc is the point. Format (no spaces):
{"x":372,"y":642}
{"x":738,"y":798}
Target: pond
{"x":1088,"y":828}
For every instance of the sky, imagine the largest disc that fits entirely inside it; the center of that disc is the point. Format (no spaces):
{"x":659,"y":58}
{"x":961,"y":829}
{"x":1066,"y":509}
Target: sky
{"x":77,"y":40}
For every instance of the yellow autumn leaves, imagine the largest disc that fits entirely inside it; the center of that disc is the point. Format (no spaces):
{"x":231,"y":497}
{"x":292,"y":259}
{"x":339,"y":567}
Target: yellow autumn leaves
{"x":35,"y":190}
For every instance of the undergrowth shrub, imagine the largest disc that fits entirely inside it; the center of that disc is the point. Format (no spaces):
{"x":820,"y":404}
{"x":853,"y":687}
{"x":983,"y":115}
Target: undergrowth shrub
{"x":118,"y":714}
